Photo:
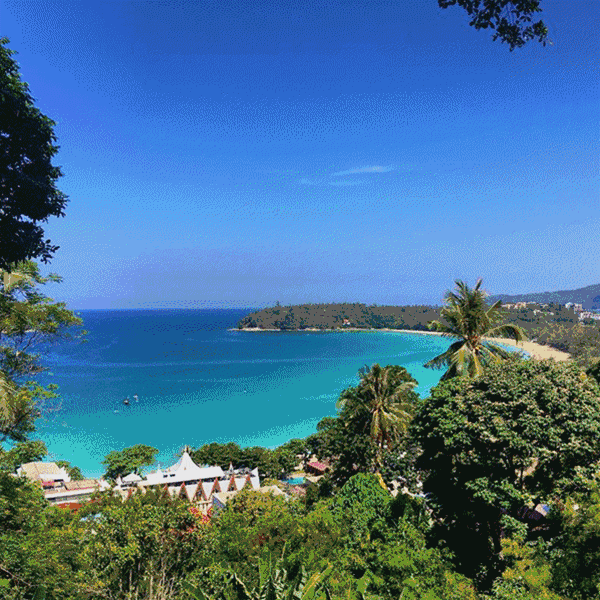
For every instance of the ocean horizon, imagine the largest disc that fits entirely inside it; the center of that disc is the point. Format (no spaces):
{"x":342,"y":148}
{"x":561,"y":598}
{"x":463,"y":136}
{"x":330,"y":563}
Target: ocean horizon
{"x":191,"y":378}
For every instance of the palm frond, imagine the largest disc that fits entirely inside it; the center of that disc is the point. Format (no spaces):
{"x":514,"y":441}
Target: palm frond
{"x":475,"y":365}
{"x":508,"y":330}
{"x":446,"y":358}
{"x":440,"y":361}
{"x":460,"y":359}
{"x":442,"y":328}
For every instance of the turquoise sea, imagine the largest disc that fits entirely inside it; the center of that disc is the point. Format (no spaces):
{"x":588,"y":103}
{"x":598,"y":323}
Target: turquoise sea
{"x":198,"y":382}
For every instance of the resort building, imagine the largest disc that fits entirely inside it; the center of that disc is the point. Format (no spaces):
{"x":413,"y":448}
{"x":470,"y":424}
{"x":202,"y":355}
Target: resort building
{"x":317,"y":468}
{"x":187,"y":480}
{"x":576,"y":307}
{"x":589,"y":315}
{"x":57,"y":485}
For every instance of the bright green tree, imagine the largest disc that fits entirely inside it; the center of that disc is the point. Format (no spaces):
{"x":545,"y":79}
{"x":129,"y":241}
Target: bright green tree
{"x":251,"y":522}
{"x":28,"y":192}
{"x":359,"y":505}
{"x":74,"y":472}
{"x":468,"y":317}
{"x":594,"y":371}
{"x":382,"y":405}
{"x":41,"y":547}
{"x":129,"y":460}
{"x":29,"y":320}
{"x":522,"y":434}
{"x":144,"y":547}
{"x":21,"y":453}
{"x":576,"y":551}
{"x":528,"y":574}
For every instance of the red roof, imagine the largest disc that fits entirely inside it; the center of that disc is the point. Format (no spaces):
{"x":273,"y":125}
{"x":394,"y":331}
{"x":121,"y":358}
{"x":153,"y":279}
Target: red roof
{"x":318,"y":466}
{"x":74,"y":506}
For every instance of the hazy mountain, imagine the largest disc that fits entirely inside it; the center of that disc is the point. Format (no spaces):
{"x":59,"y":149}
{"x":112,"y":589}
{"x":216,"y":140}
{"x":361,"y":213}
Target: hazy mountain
{"x":588,"y":296}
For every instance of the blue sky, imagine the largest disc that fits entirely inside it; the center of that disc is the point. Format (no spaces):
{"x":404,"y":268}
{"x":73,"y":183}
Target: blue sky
{"x":237,"y":154}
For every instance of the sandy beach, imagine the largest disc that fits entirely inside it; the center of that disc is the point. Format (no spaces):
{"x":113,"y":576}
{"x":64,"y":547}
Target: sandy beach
{"x":538,"y":351}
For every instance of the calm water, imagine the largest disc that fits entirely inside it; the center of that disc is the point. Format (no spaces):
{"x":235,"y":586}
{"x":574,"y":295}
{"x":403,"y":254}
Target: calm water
{"x":197,"y":382}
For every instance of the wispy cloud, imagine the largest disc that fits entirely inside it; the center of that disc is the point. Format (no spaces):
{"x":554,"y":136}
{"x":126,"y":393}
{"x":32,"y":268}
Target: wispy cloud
{"x":376,"y":169}
{"x":346,"y":182}
{"x":332,"y":178}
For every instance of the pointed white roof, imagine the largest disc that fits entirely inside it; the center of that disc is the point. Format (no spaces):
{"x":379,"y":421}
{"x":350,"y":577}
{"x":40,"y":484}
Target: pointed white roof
{"x":207,"y":488}
{"x":132,"y":478}
{"x":185,"y":469}
{"x":183,"y":464}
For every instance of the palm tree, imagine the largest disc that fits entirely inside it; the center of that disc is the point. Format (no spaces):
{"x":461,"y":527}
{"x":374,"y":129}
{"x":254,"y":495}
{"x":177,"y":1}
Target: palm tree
{"x":469,"y":318}
{"x":383,"y":403}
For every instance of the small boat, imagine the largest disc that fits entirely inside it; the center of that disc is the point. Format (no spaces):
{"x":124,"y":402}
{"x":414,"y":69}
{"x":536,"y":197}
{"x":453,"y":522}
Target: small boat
{"x":135,"y":397}
{"x":126,"y":401}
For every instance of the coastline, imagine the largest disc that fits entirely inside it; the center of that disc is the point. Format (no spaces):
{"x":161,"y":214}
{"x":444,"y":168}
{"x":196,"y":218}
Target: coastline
{"x":537,"y":351}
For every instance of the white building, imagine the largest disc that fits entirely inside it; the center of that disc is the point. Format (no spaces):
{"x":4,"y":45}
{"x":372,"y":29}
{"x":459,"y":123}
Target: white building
{"x":57,"y":485}
{"x":187,"y":480}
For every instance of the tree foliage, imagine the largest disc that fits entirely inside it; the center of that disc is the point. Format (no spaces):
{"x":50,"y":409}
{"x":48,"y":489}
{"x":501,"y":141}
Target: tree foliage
{"x":382,"y":404}
{"x":512,"y":20}
{"x":524,"y":433}
{"x":360,"y":504}
{"x":272,"y":464}
{"x":41,"y":547}
{"x":144,"y":547}
{"x":594,"y":371}
{"x":576,"y":550}
{"x":528,"y":575}
{"x":129,"y":460}
{"x":340,"y":316}
{"x":29,"y":323}
{"x":74,"y":472}
{"x":468,"y":317}
{"x":21,"y":453}
{"x":28,"y":192}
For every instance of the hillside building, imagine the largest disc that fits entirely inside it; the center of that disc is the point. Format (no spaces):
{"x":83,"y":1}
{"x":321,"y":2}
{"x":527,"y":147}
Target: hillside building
{"x":188,"y":480}
{"x":57,"y":485}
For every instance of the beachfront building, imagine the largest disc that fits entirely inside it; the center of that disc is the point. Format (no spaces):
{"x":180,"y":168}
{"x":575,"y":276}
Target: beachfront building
{"x":588,"y":314}
{"x":57,"y":485}
{"x":188,"y":480}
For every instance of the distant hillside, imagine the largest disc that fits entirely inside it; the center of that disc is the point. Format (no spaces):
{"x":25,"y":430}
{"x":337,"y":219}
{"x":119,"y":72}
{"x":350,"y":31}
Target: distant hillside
{"x":340,"y":316}
{"x":588,"y":296}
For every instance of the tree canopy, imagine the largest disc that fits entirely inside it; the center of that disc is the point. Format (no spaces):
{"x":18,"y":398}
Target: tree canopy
{"x":29,"y":321}
{"x":382,"y":404}
{"x":512,"y":20}
{"x":468,"y":317}
{"x":21,"y":453}
{"x":28,"y":192}
{"x":129,"y":460}
{"x":523,"y":433}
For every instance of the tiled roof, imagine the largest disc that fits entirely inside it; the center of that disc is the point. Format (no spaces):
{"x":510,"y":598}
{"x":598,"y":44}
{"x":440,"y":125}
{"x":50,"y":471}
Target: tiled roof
{"x":81,"y":485}
{"x":319,"y":466}
{"x":33,"y":470}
